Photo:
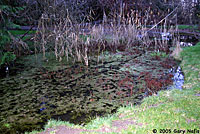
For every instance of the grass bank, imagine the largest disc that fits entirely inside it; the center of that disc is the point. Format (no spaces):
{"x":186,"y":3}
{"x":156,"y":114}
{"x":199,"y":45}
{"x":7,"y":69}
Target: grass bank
{"x":171,"y":111}
{"x":195,"y":27}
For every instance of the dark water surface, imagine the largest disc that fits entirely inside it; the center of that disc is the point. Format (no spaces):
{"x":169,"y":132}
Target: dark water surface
{"x":44,"y":90}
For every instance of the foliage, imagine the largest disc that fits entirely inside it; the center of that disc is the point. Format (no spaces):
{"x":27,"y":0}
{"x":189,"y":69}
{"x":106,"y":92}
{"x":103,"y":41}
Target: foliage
{"x":21,"y":32}
{"x":7,"y":10}
{"x":4,"y":40}
{"x":7,"y":58}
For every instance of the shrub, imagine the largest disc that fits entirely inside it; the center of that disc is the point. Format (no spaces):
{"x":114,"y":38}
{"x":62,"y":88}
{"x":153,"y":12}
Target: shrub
{"x":7,"y":58}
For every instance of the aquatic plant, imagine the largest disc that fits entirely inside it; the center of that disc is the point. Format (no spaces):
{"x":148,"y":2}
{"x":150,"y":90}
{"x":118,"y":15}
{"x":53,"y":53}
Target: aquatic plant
{"x":159,"y":54}
{"x":153,"y":85}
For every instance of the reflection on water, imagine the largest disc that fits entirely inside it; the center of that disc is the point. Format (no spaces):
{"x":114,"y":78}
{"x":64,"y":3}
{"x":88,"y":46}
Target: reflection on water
{"x":186,"y":44}
{"x":7,"y":71}
{"x":178,"y":79}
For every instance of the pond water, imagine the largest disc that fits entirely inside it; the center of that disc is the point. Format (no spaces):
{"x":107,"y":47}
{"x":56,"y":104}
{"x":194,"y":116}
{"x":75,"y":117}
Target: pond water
{"x":178,"y":78}
{"x":42,"y":90}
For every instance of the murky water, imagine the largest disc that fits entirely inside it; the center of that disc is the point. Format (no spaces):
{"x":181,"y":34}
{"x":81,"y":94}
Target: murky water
{"x":76,"y":93}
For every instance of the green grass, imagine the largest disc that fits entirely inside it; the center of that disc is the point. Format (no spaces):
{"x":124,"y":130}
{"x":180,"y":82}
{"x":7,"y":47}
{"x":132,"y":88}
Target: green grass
{"x":168,"y":111}
{"x":187,"y":27}
{"x":191,"y":65}
{"x":21,"y":32}
{"x":195,"y":27}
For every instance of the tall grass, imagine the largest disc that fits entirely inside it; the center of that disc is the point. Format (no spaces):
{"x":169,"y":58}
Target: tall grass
{"x":79,"y":41}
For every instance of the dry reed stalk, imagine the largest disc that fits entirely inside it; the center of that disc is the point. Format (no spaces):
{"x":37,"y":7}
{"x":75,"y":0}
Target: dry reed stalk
{"x":85,"y":56}
{"x":64,"y":36}
{"x":177,"y":50}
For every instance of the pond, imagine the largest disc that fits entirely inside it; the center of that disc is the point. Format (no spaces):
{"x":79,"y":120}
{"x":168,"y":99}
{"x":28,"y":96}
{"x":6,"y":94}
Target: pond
{"x":47,"y":89}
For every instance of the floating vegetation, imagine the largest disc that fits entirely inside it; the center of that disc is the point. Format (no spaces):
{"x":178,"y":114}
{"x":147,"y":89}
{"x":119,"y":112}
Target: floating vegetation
{"x":77,"y":93}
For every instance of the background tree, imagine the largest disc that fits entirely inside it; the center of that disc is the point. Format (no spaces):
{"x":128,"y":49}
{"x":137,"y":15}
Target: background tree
{"x":8,"y":14}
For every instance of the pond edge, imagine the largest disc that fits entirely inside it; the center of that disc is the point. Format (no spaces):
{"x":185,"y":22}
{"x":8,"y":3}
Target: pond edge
{"x":165,"y":99}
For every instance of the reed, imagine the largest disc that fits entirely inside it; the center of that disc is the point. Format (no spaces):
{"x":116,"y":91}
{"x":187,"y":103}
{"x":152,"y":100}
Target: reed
{"x":64,"y":38}
{"x":79,"y":41}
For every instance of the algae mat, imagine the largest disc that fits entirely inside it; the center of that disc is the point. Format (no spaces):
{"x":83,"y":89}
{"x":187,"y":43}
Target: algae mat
{"x":76,"y":93}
